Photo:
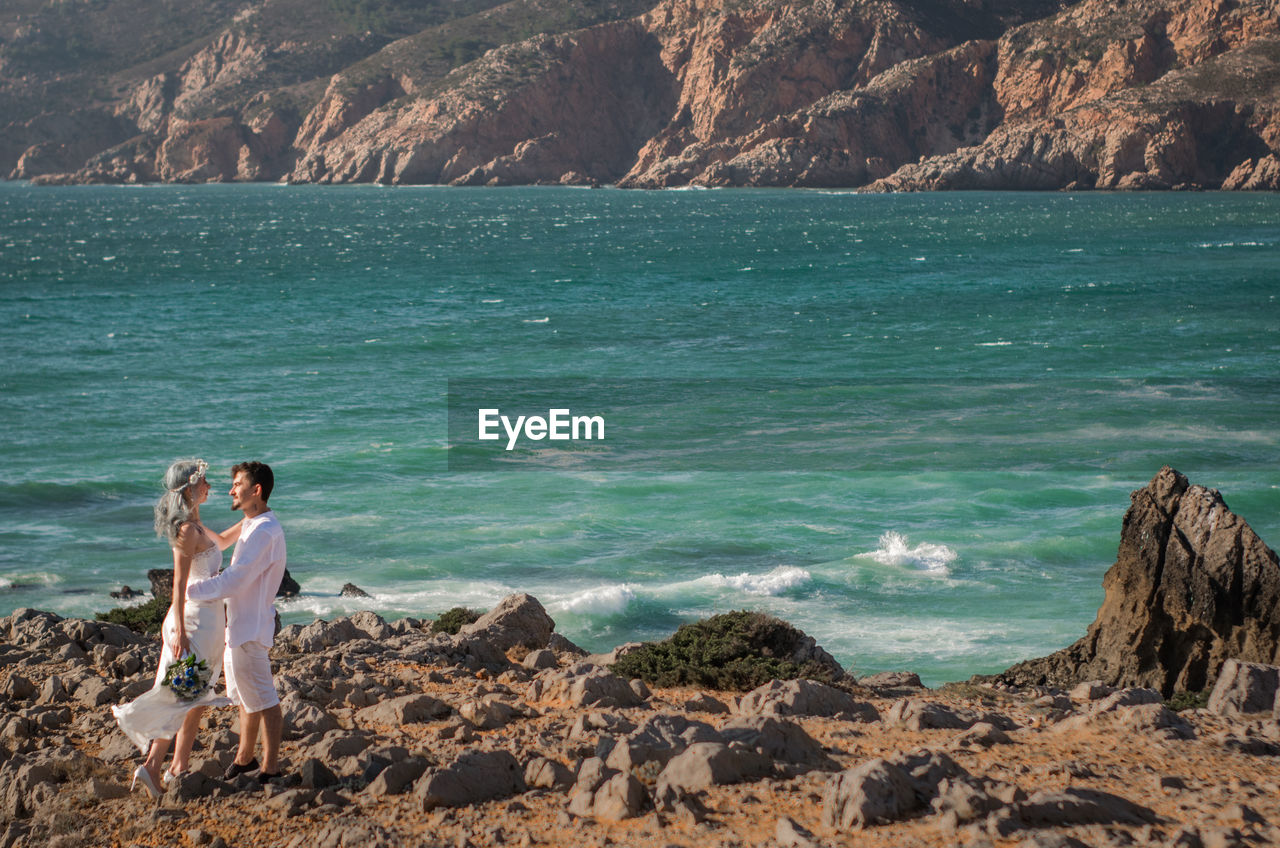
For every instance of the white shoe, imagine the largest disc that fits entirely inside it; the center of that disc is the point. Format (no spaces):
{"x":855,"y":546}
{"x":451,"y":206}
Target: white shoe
{"x":169,"y":777}
{"x":141,"y":773}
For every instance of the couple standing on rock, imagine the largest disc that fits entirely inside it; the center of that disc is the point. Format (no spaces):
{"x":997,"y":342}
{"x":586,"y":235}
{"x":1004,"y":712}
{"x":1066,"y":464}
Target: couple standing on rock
{"x":200,"y":625}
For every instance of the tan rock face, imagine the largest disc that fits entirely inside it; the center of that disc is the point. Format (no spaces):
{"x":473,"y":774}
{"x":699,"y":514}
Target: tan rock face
{"x":1144,"y":94}
{"x":1192,"y":586}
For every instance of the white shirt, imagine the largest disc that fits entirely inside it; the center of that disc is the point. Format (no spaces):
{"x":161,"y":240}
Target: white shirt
{"x":250,"y":582}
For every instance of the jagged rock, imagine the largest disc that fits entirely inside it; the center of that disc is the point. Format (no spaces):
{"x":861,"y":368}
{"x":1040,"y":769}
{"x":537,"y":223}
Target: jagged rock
{"x":35,"y":629}
{"x":886,"y":789}
{"x":93,"y":691}
{"x":588,"y":725}
{"x":583,"y":685}
{"x":372,"y":625}
{"x":124,"y":593}
{"x":103,"y":790}
{"x":516,"y":620}
{"x":930,"y":715}
{"x":338,"y":744}
{"x":302,"y":718}
{"x":346,"y":835}
{"x":19,"y":688}
{"x":407,"y":709}
{"x":474,"y":777}
{"x":705,"y":764}
{"x":1156,"y":720}
{"x":315,"y":774}
{"x":320,"y":634}
{"x":562,"y":645}
{"x":620,"y":796}
{"x":1261,"y":174}
{"x":704,"y":703}
{"x":539,"y":659}
{"x":1076,"y":805}
{"x":1052,"y":840}
{"x":545,"y":773}
{"x":982,"y":735}
{"x":783,"y":741}
{"x":1092,"y":690}
{"x":396,"y":778}
{"x":193,"y":784}
{"x":489,"y":713}
{"x":606,"y":793}
{"x":967,"y":798}
{"x":660,"y":738}
{"x":805,"y":698}
{"x":891,"y":681}
{"x":1245,"y":688}
{"x":1131,"y":697}
{"x":1192,"y":586}
{"x":51,"y":691}
{"x":874,"y":792}
{"x":1113,"y":706}
{"x":788,"y":834}
{"x":351,"y":590}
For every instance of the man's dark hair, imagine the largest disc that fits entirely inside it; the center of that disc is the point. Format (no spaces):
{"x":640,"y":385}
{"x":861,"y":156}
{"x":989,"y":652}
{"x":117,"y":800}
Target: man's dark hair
{"x":259,"y":473}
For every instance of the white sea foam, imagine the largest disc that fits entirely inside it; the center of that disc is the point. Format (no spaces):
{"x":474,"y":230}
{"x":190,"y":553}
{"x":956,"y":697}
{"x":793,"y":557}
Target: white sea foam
{"x":29,"y":579}
{"x":896,"y":550}
{"x":600,"y":600}
{"x":320,"y":599}
{"x":775,"y":582}
{"x":537,"y":320}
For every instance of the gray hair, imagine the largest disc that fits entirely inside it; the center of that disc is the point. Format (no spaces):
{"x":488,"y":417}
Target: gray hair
{"x":173,"y":509}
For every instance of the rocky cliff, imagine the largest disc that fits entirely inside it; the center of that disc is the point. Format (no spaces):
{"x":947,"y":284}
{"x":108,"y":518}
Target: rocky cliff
{"x":1192,"y":586}
{"x":887,"y":94}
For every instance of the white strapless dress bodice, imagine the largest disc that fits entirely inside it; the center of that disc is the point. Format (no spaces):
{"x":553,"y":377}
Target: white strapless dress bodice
{"x":158,"y":713}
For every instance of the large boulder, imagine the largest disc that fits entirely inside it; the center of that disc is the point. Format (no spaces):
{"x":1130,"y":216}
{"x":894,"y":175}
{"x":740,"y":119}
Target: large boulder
{"x":474,"y":777}
{"x":805,"y":698}
{"x":706,"y":764}
{"x":584,"y":685}
{"x":516,"y":620}
{"x":784,"y":742}
{"x":1192,"y":586}
{"x":1245,"y":688}
{"x":888,"y":789}
{"x":660,"y":738}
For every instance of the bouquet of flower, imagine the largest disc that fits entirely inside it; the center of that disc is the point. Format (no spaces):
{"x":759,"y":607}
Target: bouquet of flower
{"x":188,"y":677}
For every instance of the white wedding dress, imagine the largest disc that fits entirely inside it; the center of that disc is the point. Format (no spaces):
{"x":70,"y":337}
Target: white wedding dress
{"x":158,"y":713}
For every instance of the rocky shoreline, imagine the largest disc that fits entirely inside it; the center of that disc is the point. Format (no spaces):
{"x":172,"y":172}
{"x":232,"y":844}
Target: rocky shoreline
{"x":505,"y":733}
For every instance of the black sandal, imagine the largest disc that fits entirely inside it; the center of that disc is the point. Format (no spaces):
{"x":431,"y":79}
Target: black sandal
{"x":235,"y":770}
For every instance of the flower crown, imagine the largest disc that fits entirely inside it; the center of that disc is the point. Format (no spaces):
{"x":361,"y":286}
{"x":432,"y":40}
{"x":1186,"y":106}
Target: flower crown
{"x":201,"y":468}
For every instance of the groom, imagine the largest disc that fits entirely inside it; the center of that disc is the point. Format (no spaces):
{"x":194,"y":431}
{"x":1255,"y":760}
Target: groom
{"x":250,"y":584}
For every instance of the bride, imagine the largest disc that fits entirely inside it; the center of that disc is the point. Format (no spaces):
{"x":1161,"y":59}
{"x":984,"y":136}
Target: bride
{"x":152,"y":719}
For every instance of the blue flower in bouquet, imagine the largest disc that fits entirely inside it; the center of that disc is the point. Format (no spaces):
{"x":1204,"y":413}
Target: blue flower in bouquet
{"x":188,"y":677}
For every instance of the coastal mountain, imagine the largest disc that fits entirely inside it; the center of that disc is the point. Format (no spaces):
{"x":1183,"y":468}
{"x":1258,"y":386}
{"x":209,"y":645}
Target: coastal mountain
{"x":1192,"y":587}
{"x":887,"y":94}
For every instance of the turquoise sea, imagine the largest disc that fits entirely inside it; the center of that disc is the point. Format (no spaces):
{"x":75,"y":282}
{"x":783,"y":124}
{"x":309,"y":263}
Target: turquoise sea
{"x":907,"y":424}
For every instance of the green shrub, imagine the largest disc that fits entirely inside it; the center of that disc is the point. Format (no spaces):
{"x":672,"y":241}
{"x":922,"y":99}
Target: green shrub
{"x":144,"y":618}
{"x":451,"y":622}
{"x":1188,"y":701}
{"x":737,"y":650}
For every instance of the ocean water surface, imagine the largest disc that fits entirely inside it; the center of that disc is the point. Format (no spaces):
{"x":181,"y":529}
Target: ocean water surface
{"x":921,"y":421}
